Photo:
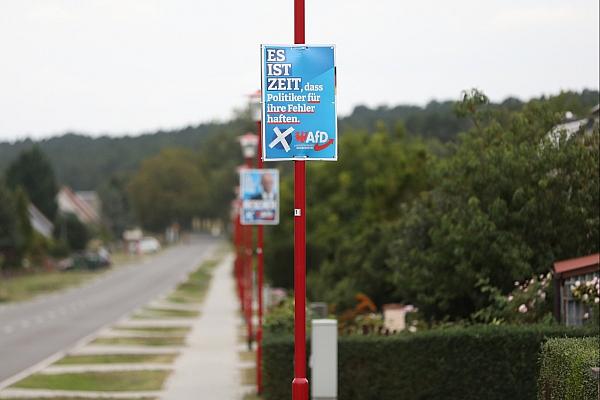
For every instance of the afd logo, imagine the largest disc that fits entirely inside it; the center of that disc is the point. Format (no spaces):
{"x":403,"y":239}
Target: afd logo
{"x":320,"y":139}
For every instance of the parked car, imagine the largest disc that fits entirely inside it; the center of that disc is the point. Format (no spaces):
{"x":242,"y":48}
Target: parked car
{"x":90,"y":260}
{"x":148,"y":244}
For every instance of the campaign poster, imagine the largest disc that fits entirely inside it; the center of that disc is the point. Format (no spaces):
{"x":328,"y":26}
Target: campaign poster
{"x":299,"y":119}
{"x":259,"y":194}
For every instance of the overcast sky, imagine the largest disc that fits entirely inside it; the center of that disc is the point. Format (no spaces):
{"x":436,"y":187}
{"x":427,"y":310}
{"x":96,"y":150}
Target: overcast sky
{"x":132,"y":66}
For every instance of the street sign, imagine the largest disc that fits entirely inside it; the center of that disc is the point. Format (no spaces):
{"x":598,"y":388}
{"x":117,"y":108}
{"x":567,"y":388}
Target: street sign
{"x":260,"y":196}
{"x":298,"y":103}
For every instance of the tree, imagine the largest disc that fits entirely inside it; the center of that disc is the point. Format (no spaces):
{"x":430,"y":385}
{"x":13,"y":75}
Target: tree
{"x":168,"y":188}
{"x":71,"y":231}
{"x":506,"y":205}
{"x":33,"y":172}
{"x":10,"y":239}
{"x":23,"y":223}
{"x":116,"y":205}
{"x":350,"y":206}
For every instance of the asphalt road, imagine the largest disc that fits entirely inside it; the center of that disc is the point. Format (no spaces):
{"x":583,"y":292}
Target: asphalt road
{"x":34,"y":330}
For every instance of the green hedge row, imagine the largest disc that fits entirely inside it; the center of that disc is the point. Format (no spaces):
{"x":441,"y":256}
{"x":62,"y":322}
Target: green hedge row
{"x":565,"y":372}
{"x":474,"y":363}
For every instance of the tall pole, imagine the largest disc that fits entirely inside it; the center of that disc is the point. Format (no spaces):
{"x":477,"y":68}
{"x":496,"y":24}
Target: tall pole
{"x":260,"y":271}
{"x":239,"y":257}
{"x":300,"y":382}
{"x":248,"y":272}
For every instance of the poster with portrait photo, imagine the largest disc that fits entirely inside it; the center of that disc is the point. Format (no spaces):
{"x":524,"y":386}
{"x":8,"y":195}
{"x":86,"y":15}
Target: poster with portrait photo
{"x":259,"y":192}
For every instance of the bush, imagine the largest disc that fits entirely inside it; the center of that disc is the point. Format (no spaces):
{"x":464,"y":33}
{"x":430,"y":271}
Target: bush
{"x":472,"y":363}
{"x":565,"y":371}
{"x":280,"y":320}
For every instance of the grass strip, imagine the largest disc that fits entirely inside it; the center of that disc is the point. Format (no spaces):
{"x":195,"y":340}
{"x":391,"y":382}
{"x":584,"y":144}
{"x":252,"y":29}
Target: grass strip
{"x":76,"y":398}
{"x":249,"y":376}
{"x":25,"y":287}
{"x":118,"y":359}
{"x":142,"y":341}
{"x":247,"y":356}
{"x":182,"y":330}
{"x":97,"y":381}
{"x":194,"y":289}
{"x":150,"y":313}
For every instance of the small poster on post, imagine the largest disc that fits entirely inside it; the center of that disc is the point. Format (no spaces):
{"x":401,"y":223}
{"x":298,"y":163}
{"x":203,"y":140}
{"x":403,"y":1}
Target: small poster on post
{"x":259,"y":192}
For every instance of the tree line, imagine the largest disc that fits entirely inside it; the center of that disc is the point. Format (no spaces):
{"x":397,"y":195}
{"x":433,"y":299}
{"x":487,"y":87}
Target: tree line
{"x":441,"y":225}
{"x":433,"y":206}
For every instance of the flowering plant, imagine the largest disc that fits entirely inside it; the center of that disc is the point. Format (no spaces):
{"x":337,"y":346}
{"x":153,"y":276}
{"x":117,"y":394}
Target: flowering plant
{"x":526,"y":303}
{"x":587,"y":292}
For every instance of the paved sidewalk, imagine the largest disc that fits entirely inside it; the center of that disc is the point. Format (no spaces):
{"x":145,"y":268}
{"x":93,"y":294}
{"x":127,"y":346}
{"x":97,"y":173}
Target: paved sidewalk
{"x":209,"y":368}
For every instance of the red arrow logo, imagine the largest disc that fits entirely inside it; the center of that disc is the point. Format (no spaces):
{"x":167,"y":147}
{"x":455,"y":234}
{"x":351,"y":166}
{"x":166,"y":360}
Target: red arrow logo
{"x":319,"y":147}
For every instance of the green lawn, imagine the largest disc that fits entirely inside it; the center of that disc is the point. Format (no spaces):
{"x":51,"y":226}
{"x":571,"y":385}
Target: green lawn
{"x":247,"y":356}
{"x":76,"y":398}
{"x":118,"y":358}
{"x":149,"y":313}
{"x":146,"y":341}
{"x":249,"y":376}
{"x":101,"y":381}
{"x":182,"y":330}
{"x":194,"y":289}
{"x":25,"y":287}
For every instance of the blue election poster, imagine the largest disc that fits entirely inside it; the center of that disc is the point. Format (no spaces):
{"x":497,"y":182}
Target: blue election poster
{"x":298,"y":99}
{"x":259,"y":192}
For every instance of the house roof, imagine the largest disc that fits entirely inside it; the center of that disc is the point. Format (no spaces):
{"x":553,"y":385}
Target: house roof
{"x":580,"y":264}
{"x":39,"y":222}
{"x":83,"y":210}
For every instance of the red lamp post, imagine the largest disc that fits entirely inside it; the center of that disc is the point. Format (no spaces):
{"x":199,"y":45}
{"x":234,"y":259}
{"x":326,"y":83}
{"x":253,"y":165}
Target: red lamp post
{"x":237,"y":241}
{"x":255,"y":109}
{"x":249,"y":143}
{"x":300,"y":382}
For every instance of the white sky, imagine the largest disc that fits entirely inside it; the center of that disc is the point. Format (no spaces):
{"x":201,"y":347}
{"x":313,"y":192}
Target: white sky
{"x":129,"y":66}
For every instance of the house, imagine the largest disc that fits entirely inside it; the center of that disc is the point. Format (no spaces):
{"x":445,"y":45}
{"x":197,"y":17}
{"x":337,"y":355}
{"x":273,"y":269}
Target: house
{"x":39,"y":222}
{"x":91,"y":198}
{"x":572,"y":277}
{"x":70,"y":202}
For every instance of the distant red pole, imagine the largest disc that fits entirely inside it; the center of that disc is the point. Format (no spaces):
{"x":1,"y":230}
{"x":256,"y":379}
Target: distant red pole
{"x":238,"y":259}
{"x":248,"y":273}
{"x":260,"y":271}
{"x":300,"y":382}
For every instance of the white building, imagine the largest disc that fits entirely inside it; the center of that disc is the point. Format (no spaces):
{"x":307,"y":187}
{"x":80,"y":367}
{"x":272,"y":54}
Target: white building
{"x":39,"y":222}
{"x":70,"y":203}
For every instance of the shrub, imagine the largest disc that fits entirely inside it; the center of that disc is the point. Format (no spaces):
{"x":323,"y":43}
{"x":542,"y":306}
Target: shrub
{"x":465,"y":363}
{"x":529,"y":302}
{"x":281,"y":319}
{"x":565,"y":371}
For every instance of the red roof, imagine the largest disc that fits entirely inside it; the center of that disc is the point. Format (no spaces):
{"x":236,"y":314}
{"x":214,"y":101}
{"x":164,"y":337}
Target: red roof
{"x":574,"y":264}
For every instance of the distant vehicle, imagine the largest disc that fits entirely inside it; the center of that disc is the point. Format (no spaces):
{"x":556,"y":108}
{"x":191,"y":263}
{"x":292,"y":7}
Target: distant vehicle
{"x":90,"y":260}
{"x":148,"y":244}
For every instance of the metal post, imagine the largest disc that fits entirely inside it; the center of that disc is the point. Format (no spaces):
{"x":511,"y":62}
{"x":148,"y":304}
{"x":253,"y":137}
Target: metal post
{"x":248,"y":274}
{"x":238,"y":260}
{"x":300,"y":382}
{"x":260,"y":271}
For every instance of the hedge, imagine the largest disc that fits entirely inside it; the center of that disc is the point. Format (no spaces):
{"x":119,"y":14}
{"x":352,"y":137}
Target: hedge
{"x":474,"y":363}
{"x":565,"y":372}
